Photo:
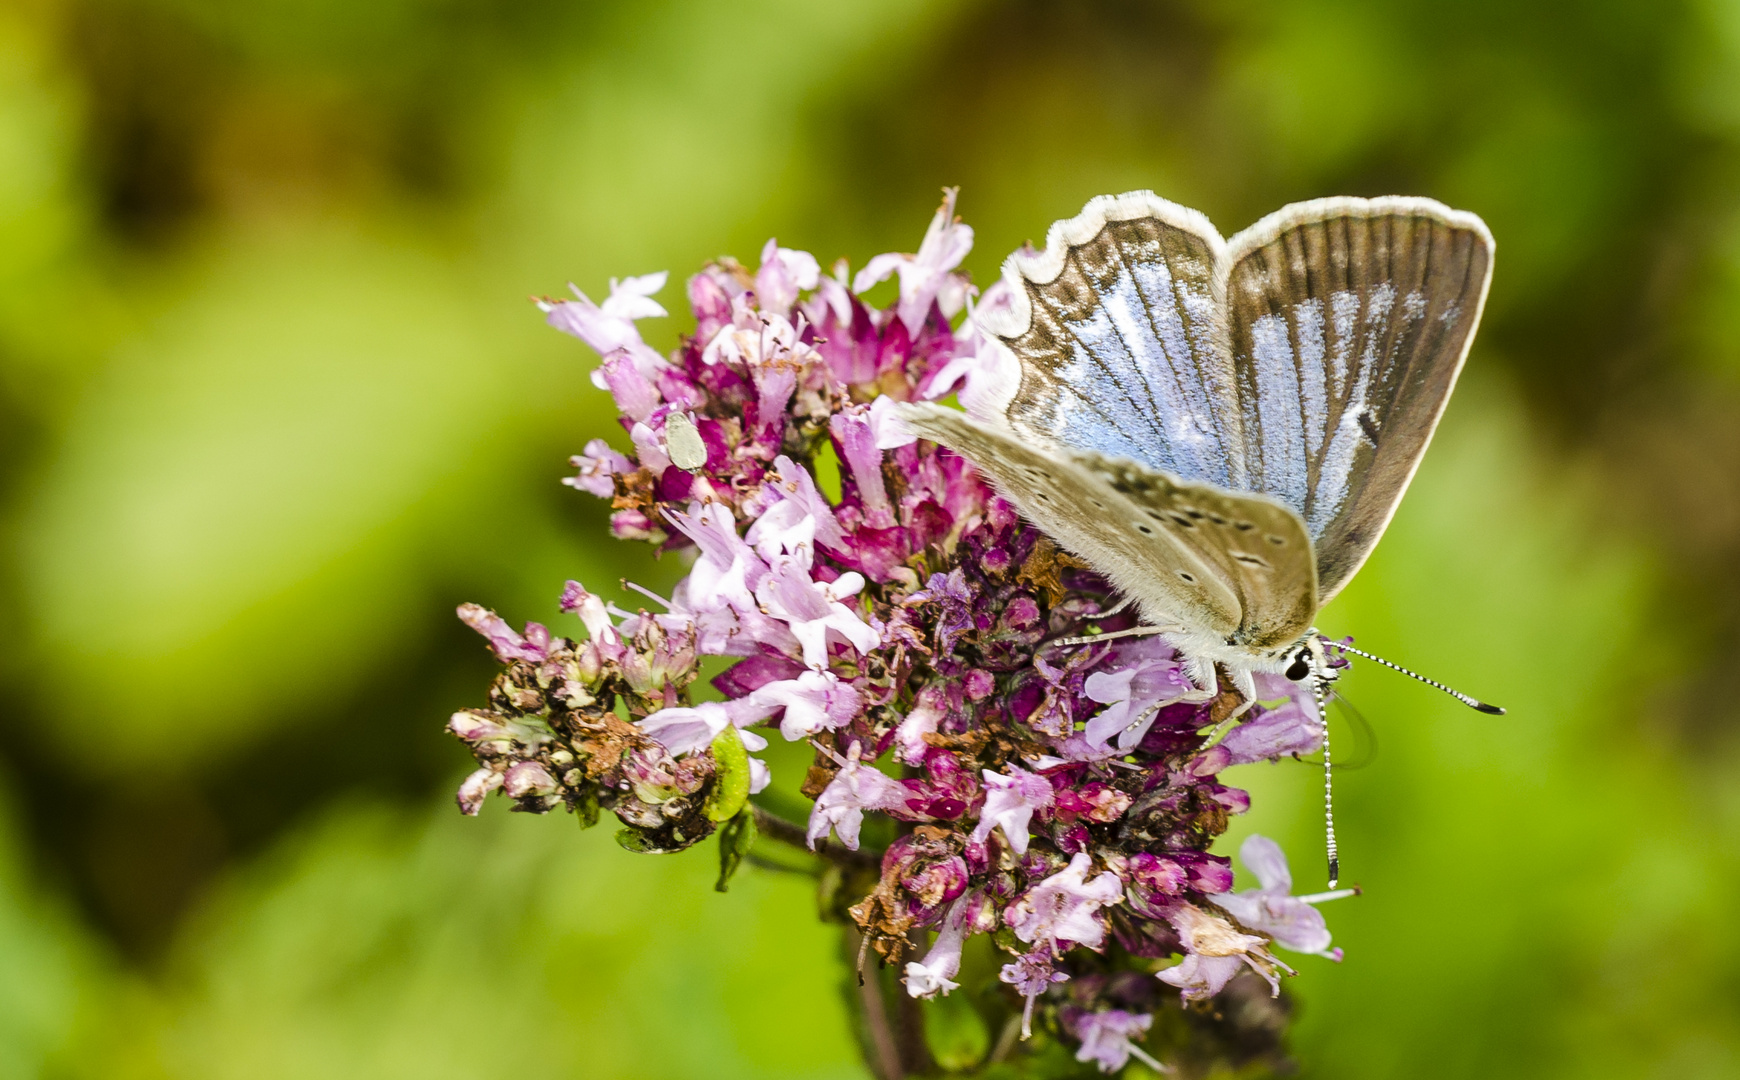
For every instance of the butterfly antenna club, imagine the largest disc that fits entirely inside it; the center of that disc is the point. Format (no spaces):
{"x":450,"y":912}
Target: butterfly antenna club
{"x":1473,"y":703}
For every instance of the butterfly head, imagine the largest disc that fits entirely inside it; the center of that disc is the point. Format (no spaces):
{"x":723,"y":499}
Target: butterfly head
{"x":1308,"y":660}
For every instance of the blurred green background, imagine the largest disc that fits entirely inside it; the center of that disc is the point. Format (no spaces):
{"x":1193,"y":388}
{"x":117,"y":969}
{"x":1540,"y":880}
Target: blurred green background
{"x":272,"y":401}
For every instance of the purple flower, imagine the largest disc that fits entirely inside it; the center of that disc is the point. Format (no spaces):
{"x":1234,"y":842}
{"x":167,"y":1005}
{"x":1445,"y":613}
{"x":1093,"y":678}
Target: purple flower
{"x":1062,"y":907}
{"x":1109,"y":1037}
{"x":1147,"y":679}
{"x":926,"y":278}
{"x":1010,"y":802}
{"x":1031,"y":974}
{"x":1271,"y":909}
{"x":1293,"y":728}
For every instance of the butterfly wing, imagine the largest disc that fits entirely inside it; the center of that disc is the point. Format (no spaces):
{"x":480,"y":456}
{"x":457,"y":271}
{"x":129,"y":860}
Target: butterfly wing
{"x":1349,"y":320}
{"x":1119,"y":345}
{"x":1236,"y":566}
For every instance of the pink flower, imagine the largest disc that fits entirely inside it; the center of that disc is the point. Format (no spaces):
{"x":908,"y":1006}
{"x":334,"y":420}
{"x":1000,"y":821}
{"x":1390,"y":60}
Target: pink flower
{"x":527,"y":778}
{"x":812,"y":609}
{"x":926,"y":713}
{"x":856,"y":439}
{"x":591,"y":610}
{"x":636,"y":397}
{"x":1010,"y":802}
{"x":857,"y":787}
{"x":597,"y":465}
{"x":534,"y":645}
{"x":814,"y":701}
{"x":728,"y":568}
{"x":1062,"y":907}
{"x":1271,"y":909}
{"x":927,"y":277}
{"x":783,"y":274}
{"x":797,"y":487}
{"x":610,"y":326}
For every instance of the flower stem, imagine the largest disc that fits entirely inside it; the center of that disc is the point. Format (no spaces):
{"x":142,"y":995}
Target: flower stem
{"x":774,"y":827}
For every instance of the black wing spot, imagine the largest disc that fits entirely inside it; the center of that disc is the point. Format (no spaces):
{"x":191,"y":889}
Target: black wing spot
{"x":1155,"y":514}
{"x":1197,"y":514}
{"x":1249,"y":559}
{"x":1183,"y":522}
{"x":1042,"y":495}
{"x":1144,"y":529}
{"x":1182,"y":576}
{"x":1278,"y":541}
{"x":1368,"y":424}
{"x":1243,"y":526}
{"x":1217,"y":519}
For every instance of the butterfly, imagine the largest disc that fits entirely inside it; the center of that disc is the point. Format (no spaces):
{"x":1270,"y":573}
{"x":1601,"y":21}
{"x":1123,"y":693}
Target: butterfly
{"x":1224,"y":428}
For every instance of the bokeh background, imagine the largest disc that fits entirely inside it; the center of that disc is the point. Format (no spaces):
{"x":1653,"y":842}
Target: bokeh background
{"x":272,"y":402}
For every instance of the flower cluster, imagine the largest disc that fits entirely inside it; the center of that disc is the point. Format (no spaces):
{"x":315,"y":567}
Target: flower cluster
{"x":881,"y":602}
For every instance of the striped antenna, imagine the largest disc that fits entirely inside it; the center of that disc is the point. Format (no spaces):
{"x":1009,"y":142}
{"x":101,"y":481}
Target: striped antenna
{"x":1472,"y":703}
{"x":1328,"y":786}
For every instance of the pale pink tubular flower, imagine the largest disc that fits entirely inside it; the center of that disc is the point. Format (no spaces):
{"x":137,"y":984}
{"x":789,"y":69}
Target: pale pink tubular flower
{"x":927,"y":277}
{"x":1061,"y":908}
{"x":475,"y":787}
{"x":857,"y":787}
{"x":857,"y":440}
{"x":1271,"y":909}
{"x":982,"y":368}
{"x":1010,"y":802}
{"x":795,"y":485}
{"x":935,"y":973}
{"x":609,"y":326}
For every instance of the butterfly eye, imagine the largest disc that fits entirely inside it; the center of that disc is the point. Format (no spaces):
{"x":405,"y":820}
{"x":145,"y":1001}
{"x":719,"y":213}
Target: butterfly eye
{"x":1300,"y":667}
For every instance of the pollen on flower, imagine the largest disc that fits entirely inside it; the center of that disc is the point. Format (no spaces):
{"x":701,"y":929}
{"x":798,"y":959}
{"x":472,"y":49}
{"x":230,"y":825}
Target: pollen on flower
{"x":973,"y":775}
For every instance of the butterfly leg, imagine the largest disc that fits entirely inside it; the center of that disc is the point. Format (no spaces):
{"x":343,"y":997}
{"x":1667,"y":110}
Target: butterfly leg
{"x":1134,"y":631}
